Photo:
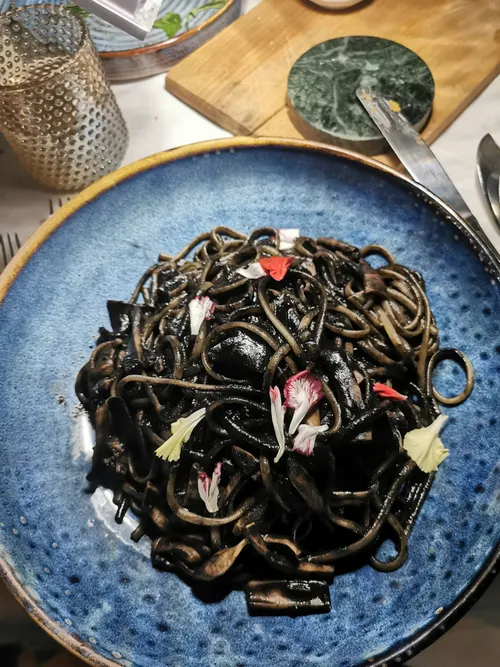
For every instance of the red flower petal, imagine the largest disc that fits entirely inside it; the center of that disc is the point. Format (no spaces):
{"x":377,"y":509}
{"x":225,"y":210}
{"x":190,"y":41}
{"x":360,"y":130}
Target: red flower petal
{"x":387,"y":392}
{"x":276,"y":267}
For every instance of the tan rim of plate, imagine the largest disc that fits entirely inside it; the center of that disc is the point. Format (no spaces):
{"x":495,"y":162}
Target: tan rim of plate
{"x":142,"y":50}
{"x":72,"y":643}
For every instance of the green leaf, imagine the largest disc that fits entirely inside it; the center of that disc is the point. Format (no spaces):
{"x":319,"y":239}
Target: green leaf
{"x":171,"y":23}
{"x":78,"y":11}
{"x":214,"y":4}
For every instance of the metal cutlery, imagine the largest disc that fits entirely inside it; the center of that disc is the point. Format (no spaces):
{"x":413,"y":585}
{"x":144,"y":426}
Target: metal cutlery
{"x":9,"y":245}
{"x":10,"y":242}
{"x":488,"y":171}
{"x":56,"y":203}
{"x":418,"y":159}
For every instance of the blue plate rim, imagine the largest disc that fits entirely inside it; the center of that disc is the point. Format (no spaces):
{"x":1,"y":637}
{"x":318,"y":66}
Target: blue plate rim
{"x":422,"y":638}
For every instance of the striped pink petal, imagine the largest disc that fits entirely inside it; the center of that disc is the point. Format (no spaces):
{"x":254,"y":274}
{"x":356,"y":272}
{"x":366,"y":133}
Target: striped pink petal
{"x":302,"y":392}
{"x":214,"y":484}
{"x":305,"y":439}
{"x":208,"y":488}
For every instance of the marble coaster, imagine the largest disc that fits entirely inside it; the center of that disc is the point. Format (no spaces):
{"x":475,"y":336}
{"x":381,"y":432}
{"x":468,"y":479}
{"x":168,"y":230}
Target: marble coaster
{"x":322,"y":90}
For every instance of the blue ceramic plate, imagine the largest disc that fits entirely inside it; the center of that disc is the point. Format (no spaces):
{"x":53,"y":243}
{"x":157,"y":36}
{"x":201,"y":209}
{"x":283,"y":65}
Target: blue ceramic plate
{"x":73,"y":568}
{"x":126,"y":57}
{"x":107,"y":38}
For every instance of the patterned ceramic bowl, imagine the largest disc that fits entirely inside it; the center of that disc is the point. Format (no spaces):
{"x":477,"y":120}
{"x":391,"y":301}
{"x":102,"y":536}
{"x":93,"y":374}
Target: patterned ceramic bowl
{"x":62,"y":555}
{"x":127,"y":58}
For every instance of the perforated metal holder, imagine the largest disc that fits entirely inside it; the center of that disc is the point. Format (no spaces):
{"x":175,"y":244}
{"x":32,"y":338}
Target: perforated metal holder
{"x":57,"y":110}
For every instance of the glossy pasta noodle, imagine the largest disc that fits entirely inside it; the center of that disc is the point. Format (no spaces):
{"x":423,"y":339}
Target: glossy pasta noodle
{"x":264,"y":405}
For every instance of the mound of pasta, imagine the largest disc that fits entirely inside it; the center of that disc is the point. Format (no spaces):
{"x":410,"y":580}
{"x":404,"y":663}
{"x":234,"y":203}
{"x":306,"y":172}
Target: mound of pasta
{"x":264,"y":405}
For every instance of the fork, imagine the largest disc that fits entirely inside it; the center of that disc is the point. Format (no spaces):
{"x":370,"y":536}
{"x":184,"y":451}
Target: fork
{"x":56,"y":203}
{"x":9,"y":245}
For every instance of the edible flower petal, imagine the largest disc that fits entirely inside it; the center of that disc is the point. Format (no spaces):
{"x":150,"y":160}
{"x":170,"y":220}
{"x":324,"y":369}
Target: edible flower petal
{"x":278,"y":419}
{"x":208,"y":488}
{"x":302,"y":391}
{"x":181,"y":432}
{"x":305,"y":440}
{"x":424,"y":446}
{"x":200,"y":308}
{"x":388,"y":392}
{"x":252,"y":271}
{"x":276,"y":267}
{"x":285,"y":238}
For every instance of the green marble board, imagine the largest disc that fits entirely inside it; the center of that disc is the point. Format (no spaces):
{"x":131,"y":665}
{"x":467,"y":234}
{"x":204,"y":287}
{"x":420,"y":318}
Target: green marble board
{"x":322,"y":89}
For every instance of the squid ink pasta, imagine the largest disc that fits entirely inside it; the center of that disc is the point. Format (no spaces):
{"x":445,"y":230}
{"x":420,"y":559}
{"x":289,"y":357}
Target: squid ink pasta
{"x":265,"y":407}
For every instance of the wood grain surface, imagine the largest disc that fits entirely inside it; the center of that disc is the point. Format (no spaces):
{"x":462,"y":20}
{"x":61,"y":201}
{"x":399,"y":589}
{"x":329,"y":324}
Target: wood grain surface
{"x":239,"y":78}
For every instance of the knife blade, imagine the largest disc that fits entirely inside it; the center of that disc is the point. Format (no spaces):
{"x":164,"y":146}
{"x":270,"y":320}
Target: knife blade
{"x":488,"y":171}
{"x":418,"y":159}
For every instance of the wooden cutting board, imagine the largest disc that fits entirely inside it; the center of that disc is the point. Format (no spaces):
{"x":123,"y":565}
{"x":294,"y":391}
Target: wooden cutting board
{"x":239,"y":78}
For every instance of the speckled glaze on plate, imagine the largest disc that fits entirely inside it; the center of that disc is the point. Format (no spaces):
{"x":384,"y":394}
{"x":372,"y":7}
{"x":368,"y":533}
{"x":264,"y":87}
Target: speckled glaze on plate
{"x":76,"y":571}
{"x":125,"y":57}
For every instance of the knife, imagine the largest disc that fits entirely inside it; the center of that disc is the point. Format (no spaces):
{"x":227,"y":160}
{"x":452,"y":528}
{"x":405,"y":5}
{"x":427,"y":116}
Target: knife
{"x":488,"y":171}
{"x":418,"y":159}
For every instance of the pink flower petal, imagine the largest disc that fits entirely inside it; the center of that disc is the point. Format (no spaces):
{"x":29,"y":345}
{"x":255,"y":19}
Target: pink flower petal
{"x":302,"y":392}
{"x":214,"y":485}
{"x":305,"y":440}
{"x":278,"y":419}
{"x":200,"y":309}
{"x":208,"y":488}
{"x":203,"y":484}
{"x":252,"y":271}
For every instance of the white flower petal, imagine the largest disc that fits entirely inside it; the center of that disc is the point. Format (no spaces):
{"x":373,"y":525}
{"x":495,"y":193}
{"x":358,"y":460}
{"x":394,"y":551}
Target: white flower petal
{"x":200,"y":309}
{"x":305,"y":440}
{"x":286,"y":238}
{"x":252,"y":271}
{"x":181,"y":432}
{"x":278,"y":419}
{"x":424,"y":446}
{"x":208,"y":488}
{"x":302,"y":392}
{"x":214,"y":484}
{"x":203,"y":485}
{"x":300,"y":412}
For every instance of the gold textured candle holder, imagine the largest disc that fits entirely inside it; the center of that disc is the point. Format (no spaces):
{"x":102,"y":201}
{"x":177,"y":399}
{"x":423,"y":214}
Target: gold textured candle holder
{"x":57,"y":110}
